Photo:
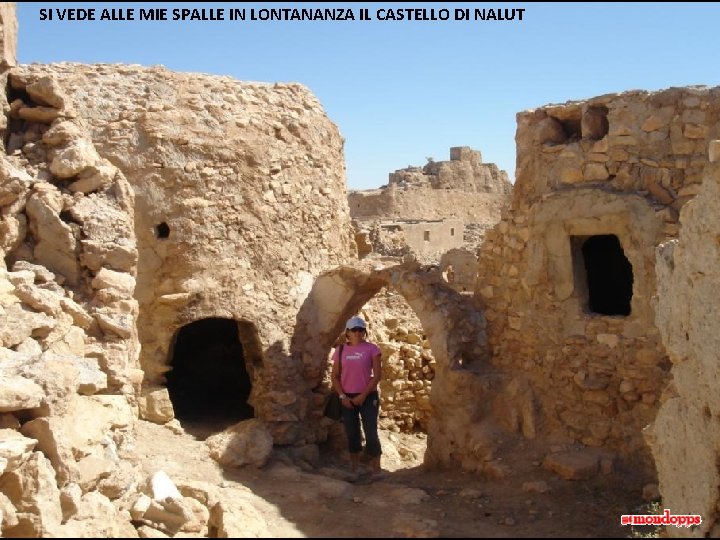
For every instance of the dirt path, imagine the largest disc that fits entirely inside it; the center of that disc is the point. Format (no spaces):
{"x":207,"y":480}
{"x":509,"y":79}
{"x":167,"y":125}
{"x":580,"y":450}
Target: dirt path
{"x":410,"y":502}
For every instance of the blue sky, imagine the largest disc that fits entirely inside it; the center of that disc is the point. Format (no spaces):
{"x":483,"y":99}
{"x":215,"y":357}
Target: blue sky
{"x":402,"y":91}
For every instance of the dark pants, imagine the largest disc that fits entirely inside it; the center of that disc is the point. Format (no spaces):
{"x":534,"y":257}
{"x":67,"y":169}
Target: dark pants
{"x":368,"y":412}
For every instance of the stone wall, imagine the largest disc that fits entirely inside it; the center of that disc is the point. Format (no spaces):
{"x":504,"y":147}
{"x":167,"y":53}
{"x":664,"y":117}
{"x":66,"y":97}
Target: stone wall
{"x":685,"y":436}
{"x":620,"y":165}
{"x":426,"y":240}
{"x":408,"y":362}
{"x":418,"y":203}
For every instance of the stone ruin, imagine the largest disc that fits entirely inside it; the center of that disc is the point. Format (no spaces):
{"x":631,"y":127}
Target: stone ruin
{"x":151,"y":218}
{"x":568,"y":275}
{"x":428,"y":211}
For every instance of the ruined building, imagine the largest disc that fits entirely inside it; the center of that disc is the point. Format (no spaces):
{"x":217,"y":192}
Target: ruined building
{"x":429,"y":210}
{"x":568,"y":275}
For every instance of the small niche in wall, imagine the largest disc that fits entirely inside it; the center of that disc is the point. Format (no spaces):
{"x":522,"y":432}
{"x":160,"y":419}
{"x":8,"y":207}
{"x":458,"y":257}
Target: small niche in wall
{"x":162,"y":230}
{"x":603,"y":274}
{"x":452,"y":231}
{"x":570,"y":119}
{"x":595,"y":123}
{"x":426,"y":236}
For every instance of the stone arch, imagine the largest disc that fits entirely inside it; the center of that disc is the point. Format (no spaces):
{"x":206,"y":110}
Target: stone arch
{"x":211,"y":367}
{"x":340,"y":293}
{"x":454,"y":326}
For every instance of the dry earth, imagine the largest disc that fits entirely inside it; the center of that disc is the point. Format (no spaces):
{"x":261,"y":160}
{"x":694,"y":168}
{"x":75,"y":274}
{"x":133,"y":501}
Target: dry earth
{"x":410,"y":502}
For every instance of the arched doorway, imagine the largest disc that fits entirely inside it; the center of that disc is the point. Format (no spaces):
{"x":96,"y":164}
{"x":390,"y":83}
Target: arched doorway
{"x":209,"y":380}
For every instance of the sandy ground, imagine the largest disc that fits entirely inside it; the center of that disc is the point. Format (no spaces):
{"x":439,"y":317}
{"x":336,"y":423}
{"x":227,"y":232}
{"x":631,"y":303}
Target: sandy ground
{"x":410,"y":502}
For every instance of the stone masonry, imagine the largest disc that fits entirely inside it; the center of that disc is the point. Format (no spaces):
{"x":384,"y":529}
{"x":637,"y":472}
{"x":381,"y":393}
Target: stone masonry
{"x":619,"y":165}
{"x":684,"y":437}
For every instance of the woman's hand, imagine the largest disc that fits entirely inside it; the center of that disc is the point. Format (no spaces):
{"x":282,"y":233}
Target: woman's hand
{"x":347,"y":402}
{"x":358,"y":400}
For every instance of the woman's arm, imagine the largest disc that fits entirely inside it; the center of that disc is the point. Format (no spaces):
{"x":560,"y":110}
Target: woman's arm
{"x":337,"y":383}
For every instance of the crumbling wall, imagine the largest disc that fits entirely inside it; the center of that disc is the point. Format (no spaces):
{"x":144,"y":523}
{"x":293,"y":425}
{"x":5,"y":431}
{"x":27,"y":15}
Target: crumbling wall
{"x":459,"y":268}
{"x":621,"y":165}
{"x":426,"y":240}
{"x":426,"y":203}
{"x":685,"y":437}
{"x":68,"y":340}
{"x":240,"y":202}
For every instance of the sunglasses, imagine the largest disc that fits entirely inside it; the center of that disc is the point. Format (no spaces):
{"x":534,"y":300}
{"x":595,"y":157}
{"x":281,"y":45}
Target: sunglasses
{"x":357,"y":330}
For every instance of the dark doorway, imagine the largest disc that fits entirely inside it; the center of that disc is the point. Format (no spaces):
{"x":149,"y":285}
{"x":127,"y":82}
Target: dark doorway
{"x":209,"y":381}
{"x":609,"y":275}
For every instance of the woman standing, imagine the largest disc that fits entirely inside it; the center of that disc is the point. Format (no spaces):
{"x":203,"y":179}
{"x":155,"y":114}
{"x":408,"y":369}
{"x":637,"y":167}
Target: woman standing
{"x":355,"y":377}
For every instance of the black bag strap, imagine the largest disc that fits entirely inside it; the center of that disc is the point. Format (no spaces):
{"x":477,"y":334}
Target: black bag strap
{"x":340,"y":361}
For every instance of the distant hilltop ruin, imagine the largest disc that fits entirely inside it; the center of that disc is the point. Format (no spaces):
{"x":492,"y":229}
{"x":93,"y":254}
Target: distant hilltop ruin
{"x":465,"y":171}
{"x":432,"y":209}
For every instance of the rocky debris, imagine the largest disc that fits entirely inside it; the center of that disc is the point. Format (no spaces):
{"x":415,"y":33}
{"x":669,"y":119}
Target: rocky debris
{"x":406,"y":525}
{"x":54,"y":358}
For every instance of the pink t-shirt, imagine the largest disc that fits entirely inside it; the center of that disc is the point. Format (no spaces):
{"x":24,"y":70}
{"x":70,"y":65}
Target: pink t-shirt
{"x":356,"y":365}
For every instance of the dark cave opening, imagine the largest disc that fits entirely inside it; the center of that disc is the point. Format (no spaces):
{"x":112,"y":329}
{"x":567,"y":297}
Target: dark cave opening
{"x":609,"y":275}
{"x":209,"y":380}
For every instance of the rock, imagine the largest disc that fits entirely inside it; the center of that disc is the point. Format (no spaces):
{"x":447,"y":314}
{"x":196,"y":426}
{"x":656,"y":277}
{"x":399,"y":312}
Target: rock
{"x":70,"y":497}
{"x":70,"y":160}
{"x":43,"y":115}
{"x":91,"y":379}
{"x":61,"y":133}
{"x":18,"y":393}
{"x":46,"y":91}
{"x":163,"y":487}
{"x":573,"y":465}
{"x":245,"y":443}
{"x":156,"y":406}
{"x":406,"y":525}
{"x":15,"y":448}
{"x":110,"y":279}
{"x":539,"y":486}
{"x":32,"y":490}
